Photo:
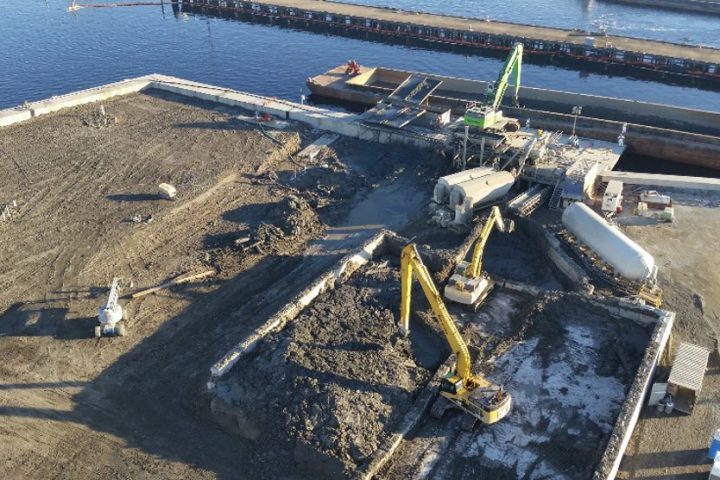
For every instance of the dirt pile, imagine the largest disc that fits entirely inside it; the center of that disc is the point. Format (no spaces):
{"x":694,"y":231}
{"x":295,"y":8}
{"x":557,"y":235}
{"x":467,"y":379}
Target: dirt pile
{"x":335,"y":382}
{"x":291,"y":222}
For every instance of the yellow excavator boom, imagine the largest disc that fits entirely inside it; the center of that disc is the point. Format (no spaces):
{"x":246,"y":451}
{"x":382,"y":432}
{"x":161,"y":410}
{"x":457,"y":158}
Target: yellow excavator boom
{"x":474,"y":269}
{"x":411,"y":263}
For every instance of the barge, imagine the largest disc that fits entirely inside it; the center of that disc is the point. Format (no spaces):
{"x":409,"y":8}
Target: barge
{"x":661,"y":131}
{"x":711,"y":7}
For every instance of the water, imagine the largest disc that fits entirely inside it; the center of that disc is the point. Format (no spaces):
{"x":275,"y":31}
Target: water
{"x":46,"y":51}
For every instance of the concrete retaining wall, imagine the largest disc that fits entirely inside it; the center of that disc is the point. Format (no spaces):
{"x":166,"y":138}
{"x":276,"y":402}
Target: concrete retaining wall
{"x":572,"y":274}
{"x":337,"y":122}
{"x":15,"y":115}
{"x":663,"y":181}
{"x":30,"y":110}
{"x":635,"y":400}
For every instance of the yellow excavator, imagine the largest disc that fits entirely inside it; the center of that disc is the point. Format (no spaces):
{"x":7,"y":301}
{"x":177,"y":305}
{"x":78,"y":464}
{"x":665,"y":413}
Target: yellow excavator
{"x":473,"y":394}
{"x":469,"y":285}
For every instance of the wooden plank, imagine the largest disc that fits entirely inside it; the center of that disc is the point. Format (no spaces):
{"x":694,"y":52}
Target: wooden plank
{"x":312,"y":150}
{"x":175,"y":281}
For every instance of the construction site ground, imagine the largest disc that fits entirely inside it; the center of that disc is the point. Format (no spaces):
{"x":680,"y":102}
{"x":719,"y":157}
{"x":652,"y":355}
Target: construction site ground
{"x":85,"y":187}
{"x":674,"y":447}
{"x":324,"y":393}
{"x":567,"y":366}
{"x":83,"y":207}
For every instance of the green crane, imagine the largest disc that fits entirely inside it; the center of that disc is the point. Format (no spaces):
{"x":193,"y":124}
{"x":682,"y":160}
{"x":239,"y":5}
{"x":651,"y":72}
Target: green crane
{"x":489,"y":114}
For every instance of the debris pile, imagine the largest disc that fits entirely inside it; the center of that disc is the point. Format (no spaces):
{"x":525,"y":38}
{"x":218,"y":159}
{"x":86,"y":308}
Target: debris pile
{"x":332,"y":385}
{"x":295,"y":222}
{"x":99,"y":119}
{"x":7,"y":211}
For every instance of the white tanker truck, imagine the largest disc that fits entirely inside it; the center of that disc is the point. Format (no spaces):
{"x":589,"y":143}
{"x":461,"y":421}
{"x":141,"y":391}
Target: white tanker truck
{"x":627,"y":259}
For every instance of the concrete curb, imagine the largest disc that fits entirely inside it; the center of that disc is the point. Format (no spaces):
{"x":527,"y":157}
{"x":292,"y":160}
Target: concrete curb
{"x":293,"y":308}
{"x":342,"y":123}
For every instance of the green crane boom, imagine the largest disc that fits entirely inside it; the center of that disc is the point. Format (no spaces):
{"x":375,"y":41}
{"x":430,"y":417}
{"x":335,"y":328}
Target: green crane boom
{"x":488,"y":114}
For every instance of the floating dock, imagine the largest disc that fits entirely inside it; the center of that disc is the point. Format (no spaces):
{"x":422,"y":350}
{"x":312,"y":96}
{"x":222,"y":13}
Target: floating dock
{"x":637,"y":54}
{"x":661,"y":131}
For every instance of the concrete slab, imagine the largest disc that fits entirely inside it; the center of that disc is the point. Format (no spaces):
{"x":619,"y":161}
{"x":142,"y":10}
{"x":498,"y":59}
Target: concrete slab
{"x":14,"y":115}
{"x":666,"y":181}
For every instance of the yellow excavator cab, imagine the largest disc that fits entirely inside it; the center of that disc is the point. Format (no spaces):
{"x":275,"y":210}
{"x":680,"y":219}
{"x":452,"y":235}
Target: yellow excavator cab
{"x":452,"y":384}
{"x":469,"y":285}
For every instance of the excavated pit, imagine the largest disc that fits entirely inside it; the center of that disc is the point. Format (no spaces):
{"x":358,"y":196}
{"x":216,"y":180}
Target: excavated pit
{"x":568,"y":374}
{"x":568,"y":364}
{"x":336,"y":382}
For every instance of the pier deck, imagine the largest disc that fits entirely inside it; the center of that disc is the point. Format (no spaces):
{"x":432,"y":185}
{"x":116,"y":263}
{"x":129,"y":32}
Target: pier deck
{"x":500,"y":28}
{"x":696,"y":61}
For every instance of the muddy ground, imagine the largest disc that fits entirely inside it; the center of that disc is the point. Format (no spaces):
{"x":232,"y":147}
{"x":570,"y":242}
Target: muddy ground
{"x":326,"y":391}
{"x":675,"y":446}
{"x":73,"y":406}
{"x":567,"y":366}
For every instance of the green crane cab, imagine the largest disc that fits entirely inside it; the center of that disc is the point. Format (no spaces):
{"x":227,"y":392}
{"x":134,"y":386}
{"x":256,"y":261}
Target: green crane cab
{"x":488,"y":115}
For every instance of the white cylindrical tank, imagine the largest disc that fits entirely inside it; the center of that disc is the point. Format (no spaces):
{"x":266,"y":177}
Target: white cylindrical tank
{"x":445,"y":184}
{"x":626,"y":257}
{"x":482,"y":190}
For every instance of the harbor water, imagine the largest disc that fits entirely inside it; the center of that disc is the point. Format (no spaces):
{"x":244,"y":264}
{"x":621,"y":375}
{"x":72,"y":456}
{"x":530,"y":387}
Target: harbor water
{"x":45,"y":50}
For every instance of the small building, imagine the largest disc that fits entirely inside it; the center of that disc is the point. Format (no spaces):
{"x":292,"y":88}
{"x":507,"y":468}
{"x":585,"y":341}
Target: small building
{"x":612,"y":198}
{"x":686,"y":375}
{"x":579,"y":181}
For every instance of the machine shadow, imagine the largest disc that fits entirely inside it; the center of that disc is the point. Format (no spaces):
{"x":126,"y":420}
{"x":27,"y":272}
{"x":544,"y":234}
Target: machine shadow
{"x":159,"y":386}
{"x":28,"y":320}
